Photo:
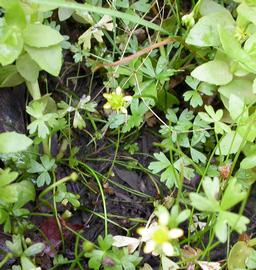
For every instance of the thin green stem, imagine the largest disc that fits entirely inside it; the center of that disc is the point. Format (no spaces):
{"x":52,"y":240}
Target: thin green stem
{"x":33,"y":89}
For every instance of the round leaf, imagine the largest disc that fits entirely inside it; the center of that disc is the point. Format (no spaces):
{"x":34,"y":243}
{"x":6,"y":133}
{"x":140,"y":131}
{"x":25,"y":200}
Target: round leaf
{"x":49,"y":59}
{"x":238,"y":255}
{"x":248,"y":162}
{"x":11,"y":44}
{"x":241,"y":88}
{"x":9,"y":76}
{"x":27,"y":68}
{"x":39,"y":35}
{"x":214,"y":72}
{"x":12,"y":142}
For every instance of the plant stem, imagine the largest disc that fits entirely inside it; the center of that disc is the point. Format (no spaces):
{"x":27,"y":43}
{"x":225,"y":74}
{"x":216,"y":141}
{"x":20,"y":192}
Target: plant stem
{"x":7,"y":257}
{"x":52,"y":186}
{"x":34,"y":89}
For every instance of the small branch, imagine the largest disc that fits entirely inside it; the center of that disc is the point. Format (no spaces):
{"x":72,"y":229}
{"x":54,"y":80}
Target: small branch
{"x":129,"y":58}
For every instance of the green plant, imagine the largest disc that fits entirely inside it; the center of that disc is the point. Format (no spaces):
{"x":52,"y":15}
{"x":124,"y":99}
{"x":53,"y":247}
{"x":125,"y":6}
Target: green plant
{"x":42,"y":169}
{"x":222,"y":219}
{"x":84,"y":104}
{"x":18,"y":248}
{"x":110,"y":257}
{"x":29,"y":43}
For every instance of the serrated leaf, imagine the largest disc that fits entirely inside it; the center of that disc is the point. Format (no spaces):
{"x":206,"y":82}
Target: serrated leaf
{"x":233,"y":194}
{"x":162,"y":163}
{"x":197,"y":156}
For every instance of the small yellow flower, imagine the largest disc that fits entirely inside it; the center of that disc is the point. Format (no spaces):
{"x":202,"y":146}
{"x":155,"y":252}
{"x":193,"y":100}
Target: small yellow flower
{"x":158,"y":236}
{"x":117,"y":101}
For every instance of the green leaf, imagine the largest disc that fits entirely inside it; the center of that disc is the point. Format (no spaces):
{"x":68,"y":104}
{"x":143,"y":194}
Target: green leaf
{"x":236,"y":106}
{"x":26,"y":263}
{"x":162,"y":163}
{"x":26,"y":193}
{"x":39,"y":35}
{"x":13,"y":142}
{"x":197,"y":156}
{"x":209,"y":6}
{"x":247,"y":128}
{"x":65,"y":13}
{"x":238,"y":87}
{"x":205,"y":32}
{"x":7,"y":177}
{"x":236,"y":222}
{"x":47,"y":162}
{"x":230,"y":144}
{"x":238,"y":255}
{"x":194,"y":97}
{"x":106,"y":243}
{"x":11,"y":43}
{"x":27,"y":68}
{"x":251,"y":261}
{"x":35,"y":167}
{"x":211,"y":188}
{"x":221,"y":228}
{"x":16,"y":245}
{"x":192,"y":82}
{"x":248,"y":12}
{"x":233,"y":194}
{"x":43,"y":178}
{"x":203,"y":204}
{"x":78,"y":121}
{"x":248,"y":162}
{"x":233,"y":49}
{"x":49,"y":59}
{"x":14,"y":13}
{"x":34,"y":249}
{"x":9,"y":76}
{"x":9,"y":193}
{"x":205,"y":117}
{"x":215,"y":72}
{"x":183,"y":215}
{"x":138,"y":110}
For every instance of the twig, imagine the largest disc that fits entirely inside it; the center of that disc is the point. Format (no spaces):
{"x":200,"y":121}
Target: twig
{"x":129,"y":58}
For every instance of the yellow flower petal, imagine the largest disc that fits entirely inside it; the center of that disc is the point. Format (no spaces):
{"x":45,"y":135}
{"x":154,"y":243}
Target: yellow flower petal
{"x":107,"y":106}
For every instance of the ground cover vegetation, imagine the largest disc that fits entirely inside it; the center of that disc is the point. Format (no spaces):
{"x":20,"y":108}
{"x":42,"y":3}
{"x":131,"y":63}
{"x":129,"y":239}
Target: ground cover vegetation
{"x":127,"y":134}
